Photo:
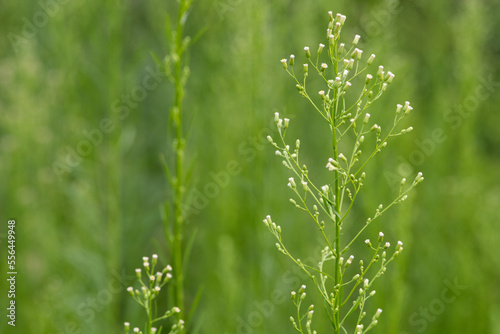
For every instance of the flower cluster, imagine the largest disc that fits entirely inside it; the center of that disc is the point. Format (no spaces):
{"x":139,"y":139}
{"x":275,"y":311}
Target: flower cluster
{"x":149,"y":290}
{"x":338,"y":66}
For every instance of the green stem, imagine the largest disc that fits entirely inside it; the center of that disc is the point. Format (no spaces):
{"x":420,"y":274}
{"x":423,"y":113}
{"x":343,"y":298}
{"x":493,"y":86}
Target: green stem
{"x":177,"y":110}
{"x":337,"y":221}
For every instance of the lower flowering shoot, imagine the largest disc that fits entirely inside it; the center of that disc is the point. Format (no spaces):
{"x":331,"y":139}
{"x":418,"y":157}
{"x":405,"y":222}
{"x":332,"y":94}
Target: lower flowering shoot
{"x":343,"y":286}
{"x":145,"y":296}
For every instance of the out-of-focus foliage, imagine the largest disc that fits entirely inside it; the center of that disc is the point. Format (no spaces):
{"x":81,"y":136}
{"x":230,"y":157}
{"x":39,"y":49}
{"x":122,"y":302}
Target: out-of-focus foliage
{"x":72,"y":79}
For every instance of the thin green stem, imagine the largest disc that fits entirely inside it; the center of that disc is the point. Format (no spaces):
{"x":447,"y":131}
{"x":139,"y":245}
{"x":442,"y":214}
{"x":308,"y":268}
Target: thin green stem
{"x":179,"y":78}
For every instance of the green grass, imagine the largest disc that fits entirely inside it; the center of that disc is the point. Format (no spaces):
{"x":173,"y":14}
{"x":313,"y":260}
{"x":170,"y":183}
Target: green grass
{"x":105,"y":215}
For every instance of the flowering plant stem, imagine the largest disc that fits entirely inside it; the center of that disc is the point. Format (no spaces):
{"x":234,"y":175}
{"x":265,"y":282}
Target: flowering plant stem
{"x":330,"y":204}
{"x":147,"y":294}
{"x":177,"y":71}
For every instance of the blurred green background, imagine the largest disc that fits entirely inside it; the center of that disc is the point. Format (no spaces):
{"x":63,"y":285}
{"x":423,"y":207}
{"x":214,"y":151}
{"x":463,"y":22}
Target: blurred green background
{"x":65,"y":66}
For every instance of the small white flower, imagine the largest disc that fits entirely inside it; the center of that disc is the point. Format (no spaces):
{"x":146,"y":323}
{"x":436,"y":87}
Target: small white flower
{"x":367,"y":118}
{"x":371,"y":59}
{"x":356,"y":40}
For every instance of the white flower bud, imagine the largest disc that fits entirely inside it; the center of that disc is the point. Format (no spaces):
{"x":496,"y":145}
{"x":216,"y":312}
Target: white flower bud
{"x":380,"y":72}
{"x":367,"y":118}
{"x":371,"y":59}
{"x":356,"y":40}
{"x":308,"y":52}
{"x":283,"y":61}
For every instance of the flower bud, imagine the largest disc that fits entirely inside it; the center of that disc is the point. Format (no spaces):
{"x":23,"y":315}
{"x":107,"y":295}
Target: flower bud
{"x":347,"y":85}
{"x":337,"y":82}
{"x":331,"y":39}
{"x":398,"y":109}
{"x":322,"y":94}
{"x":390,"y":76}
{"x":380,"y":72}
{"x":370,"y":60}
{"x":341,"y":48}
{"x":356,"y":40}
{"x":283,"y":61}
{"x":368,"y":78}
{"x":380,"y":236}
{"x":286,"y":123}
{"x":308,"y":53}
{"x":330,"y":13}
{"x":320,"y":48}
{"x":350,"y":65}
{"x":366,"y":119}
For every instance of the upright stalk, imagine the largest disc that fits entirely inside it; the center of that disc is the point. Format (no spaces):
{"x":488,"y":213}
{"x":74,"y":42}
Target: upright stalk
{"x":178,"y":74}
{"x":337,"y":222}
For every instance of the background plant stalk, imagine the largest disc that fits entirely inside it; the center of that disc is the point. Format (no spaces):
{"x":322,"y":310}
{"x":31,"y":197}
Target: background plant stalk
{"x":179,"y":78}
